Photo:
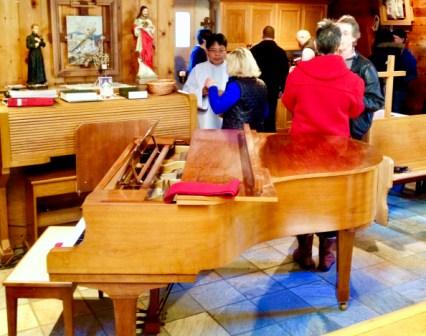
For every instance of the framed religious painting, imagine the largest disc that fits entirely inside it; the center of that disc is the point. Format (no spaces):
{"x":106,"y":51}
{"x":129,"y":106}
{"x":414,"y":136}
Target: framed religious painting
{"x":396,"y":13}
{"x":85,"y":37}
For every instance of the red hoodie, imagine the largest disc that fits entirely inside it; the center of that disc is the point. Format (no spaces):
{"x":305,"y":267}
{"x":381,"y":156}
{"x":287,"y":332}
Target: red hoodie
{"x":322,"y":94}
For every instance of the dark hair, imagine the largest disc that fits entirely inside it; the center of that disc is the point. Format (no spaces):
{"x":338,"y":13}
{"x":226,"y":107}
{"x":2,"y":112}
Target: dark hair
{"x":203,"y":34}
{"x":140,"y":11}
{"x":217,"y":38}
{"x":382,"y":36}
{"x":328,"y":37}
{"x":268,"y":32}
{"x":401,"y":33}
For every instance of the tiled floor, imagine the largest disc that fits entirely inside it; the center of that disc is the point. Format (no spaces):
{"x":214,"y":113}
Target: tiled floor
{"x":263,"y":292}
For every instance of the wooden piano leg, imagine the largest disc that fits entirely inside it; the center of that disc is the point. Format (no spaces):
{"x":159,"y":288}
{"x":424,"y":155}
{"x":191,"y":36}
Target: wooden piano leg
{"x":125,"y":315}
{"x":345,"y":243}
{"x":124,"y":297}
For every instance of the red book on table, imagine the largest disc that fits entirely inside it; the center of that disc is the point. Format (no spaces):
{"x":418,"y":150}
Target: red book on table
{"x":36,"y":101}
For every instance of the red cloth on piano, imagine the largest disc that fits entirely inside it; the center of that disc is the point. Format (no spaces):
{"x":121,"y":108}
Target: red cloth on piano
{"x":33,"y":101}
{"x":203,"y":189}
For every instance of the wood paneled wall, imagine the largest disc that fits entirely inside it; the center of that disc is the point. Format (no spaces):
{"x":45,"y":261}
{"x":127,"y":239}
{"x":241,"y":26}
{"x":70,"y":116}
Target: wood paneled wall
{"x":364,"y":11}
{"x":18,"y":15}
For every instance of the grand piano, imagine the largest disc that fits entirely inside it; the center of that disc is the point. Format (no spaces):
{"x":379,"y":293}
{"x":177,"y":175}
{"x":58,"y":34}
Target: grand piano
{"x":135,"y":242}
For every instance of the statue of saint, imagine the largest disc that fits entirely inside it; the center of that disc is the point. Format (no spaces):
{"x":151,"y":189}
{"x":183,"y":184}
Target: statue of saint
{"x":36,"y":73}
{"x":143,"y":29}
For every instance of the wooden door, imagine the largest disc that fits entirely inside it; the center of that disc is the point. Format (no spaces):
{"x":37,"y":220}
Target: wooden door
{"x":261,"y":15}
{"x":288,"y":23}
{"x":235,"y":19}
{"x":311,"y":15}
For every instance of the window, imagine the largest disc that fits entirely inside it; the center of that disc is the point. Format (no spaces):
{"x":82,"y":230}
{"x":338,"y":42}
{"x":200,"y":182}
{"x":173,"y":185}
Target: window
{"x":183,"y":30}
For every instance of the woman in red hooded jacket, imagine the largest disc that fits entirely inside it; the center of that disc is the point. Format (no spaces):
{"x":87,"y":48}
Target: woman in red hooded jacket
{"x":322,"y":94}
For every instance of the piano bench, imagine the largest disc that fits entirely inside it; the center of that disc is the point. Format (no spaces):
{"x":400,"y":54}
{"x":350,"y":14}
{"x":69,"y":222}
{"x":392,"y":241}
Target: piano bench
{"x":52,"y":183}
{"x":30,"y":279}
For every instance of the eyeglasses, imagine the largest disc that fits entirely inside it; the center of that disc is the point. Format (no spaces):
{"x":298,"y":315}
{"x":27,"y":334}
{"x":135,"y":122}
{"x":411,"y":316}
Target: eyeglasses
{"x":217,"y":51}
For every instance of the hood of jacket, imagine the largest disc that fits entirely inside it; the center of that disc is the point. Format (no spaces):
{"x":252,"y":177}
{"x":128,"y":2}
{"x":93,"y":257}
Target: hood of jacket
{"x":324,"y":67}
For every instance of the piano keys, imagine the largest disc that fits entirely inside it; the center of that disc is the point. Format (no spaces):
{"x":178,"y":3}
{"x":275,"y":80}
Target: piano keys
{"x":289,"y":186}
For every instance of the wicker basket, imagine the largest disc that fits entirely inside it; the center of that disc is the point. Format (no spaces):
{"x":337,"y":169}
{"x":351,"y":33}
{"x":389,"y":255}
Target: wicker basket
{"x":161,"y":86}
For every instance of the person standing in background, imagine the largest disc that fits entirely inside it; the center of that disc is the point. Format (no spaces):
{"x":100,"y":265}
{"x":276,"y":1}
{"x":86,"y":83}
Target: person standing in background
{"x":198,"y":53}
{"x":214,"y":68}
{"x":245,"y":97}
{"x":409,"y":64}
{"x":273,"y":63}
{"x":306,"y":44}
{"x":373,"y":98}
{"x":323,"y":95}
{"x":36,"y":72}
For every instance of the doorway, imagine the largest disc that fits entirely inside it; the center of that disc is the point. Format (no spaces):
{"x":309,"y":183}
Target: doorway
{"x":188,"y":15}
{"x":184,"y":36}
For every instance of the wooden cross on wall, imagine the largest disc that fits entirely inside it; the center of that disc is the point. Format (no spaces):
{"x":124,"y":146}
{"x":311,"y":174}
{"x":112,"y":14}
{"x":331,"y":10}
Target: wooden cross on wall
{"x":207,"y":23}
{"x":389,"y":75}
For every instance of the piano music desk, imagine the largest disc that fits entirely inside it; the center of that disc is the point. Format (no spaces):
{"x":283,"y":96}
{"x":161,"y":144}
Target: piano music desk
{"x":30,"y":279}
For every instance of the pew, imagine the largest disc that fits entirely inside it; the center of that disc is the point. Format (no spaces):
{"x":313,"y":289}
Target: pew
{"x":403,"y":139}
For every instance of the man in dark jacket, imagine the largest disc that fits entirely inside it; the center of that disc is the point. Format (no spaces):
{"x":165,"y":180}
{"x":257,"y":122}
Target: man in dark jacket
{"x":373,"y":98}
{"x":273,"y":63}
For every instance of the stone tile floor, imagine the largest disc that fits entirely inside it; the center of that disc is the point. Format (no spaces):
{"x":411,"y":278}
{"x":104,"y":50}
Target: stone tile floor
{"x":264,"y":293}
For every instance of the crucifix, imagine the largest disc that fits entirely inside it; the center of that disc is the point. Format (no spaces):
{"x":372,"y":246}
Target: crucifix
{"x":207,"y":23}
{"x":389,"y":75}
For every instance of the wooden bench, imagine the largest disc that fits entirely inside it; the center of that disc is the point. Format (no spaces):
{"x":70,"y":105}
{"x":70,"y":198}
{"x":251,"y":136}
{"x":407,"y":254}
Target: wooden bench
{"x":403,"y":139}
{"x":30,"y":279}
{"x":406,"y":321}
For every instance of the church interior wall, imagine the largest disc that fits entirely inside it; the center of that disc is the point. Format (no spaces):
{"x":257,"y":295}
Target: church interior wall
{"x":17,"y":17}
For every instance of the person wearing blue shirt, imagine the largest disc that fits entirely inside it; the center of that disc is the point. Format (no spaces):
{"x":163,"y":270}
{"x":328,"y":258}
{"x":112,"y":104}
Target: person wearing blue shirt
{"x":409,"y":64}
{"x":245,"y":97}
{"x":198,"y":53}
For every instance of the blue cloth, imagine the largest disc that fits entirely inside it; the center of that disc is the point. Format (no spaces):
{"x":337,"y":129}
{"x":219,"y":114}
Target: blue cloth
{"x":198,"y":55}
{"x":222,"y":103}
{"x":410,"y":64}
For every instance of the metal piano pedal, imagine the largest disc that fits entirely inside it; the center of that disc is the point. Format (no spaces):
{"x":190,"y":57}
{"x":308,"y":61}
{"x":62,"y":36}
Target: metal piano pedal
{"x":151,"y":319}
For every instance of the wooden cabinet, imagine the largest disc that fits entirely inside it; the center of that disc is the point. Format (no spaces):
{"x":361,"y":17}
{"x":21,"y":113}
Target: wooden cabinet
{"x":261,"y":16}
{"x":289,"y":21}
{"x":234,"y":21}
{"x":311,"y":15}
{"x":242,"y":22}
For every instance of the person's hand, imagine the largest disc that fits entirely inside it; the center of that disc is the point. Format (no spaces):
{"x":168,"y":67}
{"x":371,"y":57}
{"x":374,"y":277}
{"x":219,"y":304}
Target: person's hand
{"x":205,"y":91}
{"x":209,"y":82}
